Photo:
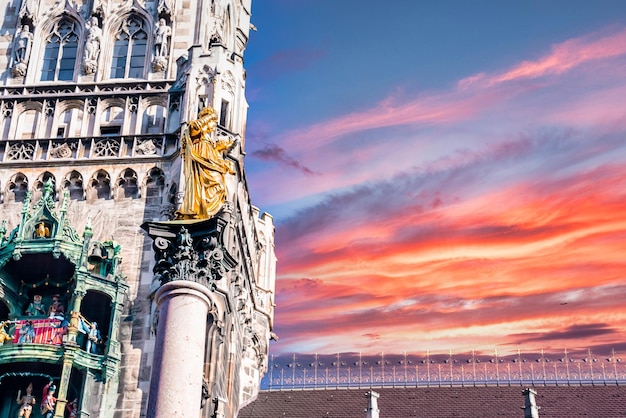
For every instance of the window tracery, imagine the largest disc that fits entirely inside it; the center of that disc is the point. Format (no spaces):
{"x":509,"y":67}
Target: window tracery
{"x":100,"y":185}
{"x":130,"y":48}
{"x":127,"y":184}
{"x":41,"y":181}
{"x":74,"y":184}
{"x":59,"y":60}
{"x":155,"y":182}
{"x":18,"y":187}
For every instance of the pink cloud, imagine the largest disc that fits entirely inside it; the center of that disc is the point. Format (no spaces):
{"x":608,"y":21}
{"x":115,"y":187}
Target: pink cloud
{"x":473,"y":95}
{"x":565,"y":56}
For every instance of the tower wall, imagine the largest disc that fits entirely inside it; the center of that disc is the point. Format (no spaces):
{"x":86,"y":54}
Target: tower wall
{"x":103,"y":119}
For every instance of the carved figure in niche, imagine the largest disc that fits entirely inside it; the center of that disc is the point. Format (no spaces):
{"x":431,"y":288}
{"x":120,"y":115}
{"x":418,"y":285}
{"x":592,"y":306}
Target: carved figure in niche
{"x":93,"y":338}
{"x":36,"y":307}
{"x":27,"y":333}
{"x":49,"y":401}
{"x":56,"y":310}
{"x":42,"y":231}
{"x":23,"y":41}
{"x":92,"y":46}
{"x":161,"y":35}
{"x":4,"y":335}
{"x":26,"y":402}
{"x":21,"y":50}
{"x":204,"y":167}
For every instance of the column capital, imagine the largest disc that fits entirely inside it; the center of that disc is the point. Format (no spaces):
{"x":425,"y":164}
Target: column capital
{"x":191,"y":251}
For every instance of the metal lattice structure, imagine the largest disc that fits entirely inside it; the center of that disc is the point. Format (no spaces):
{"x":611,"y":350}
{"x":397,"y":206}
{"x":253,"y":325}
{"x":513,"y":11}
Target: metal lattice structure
{"x":349,"y":370}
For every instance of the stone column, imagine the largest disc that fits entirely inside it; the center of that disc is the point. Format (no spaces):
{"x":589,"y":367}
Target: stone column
{"x":176,"y":384}
{"x":189,"y":263}
{"x":72,"y":329}
{"x":64,"y":384}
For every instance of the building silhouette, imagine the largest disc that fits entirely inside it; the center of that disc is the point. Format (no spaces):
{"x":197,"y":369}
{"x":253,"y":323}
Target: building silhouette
{"x":170,"y":320}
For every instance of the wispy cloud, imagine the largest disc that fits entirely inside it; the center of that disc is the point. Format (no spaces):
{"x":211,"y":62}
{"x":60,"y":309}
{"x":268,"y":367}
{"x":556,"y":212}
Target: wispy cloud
{"x":491,"y":214}
{"x":273,"y":152}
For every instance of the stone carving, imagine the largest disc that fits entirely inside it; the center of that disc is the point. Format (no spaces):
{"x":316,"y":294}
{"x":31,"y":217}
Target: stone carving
{"x":28,"y":11}
{"x":205,"y":393}
{"x":21,"y":151}
{"x":205,"y":167}
{"x":92,"y":46}
{"x":62,"y":150}
{"x":201,"y":262}
{"x":161,"y":37}
{"x":146,"y":147}
{"x":21,"y":51}
{"x":165,"y":7}
{"x":107,"y":148}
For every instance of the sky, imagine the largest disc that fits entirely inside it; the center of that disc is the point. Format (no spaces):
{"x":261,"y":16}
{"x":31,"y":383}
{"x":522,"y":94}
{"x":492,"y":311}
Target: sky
{"x":443,"y":175}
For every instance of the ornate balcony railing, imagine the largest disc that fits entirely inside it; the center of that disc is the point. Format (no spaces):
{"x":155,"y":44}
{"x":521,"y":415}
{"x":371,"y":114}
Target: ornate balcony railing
{"x":94,"y":147}
{"x":354,"y":370}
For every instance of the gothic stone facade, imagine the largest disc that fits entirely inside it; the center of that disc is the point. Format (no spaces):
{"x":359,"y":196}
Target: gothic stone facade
{"x":93,"y":95}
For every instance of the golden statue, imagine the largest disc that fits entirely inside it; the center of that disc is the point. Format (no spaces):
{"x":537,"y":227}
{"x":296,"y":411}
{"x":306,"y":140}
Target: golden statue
{"x":204,"y":167}
{"x":42,"y":231}
{"x":4,"y":335}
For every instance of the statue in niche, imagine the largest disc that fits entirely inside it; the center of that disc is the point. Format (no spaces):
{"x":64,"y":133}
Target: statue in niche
{"x":27,"y":333}
{"x":93,"y":338}
{"x":48,"y":403}
{"x":92,"y":46}
{"x":204,"y":167}
{"x":4,"y":335}
{"x":42,"y":231}
{"x":21,"y":50}
{"x":26,"y":402}
{"x":56,"y":310}
{"x":36,"y":307}
{"x":161,"y":37}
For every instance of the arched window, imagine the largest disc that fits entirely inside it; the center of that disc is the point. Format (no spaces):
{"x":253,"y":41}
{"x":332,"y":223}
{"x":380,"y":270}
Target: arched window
{"x":129,"y":51}
{"x":127,"y":184}
{"x":59,"y":59}
{"x":111,"y":121}
{"x":74,"y":183}
{"x":18,"y":187}
{"x":27,"y":124}
{"x":100,"y":185}
{"x":153,"y":120}
{"x":70,"y":123}
{"x":40,"y":183}
{"x":155,"y":182}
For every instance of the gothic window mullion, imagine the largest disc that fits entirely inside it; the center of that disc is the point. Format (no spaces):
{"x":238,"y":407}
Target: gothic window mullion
{"x":60,"y":53}
{"x":129,"y":51}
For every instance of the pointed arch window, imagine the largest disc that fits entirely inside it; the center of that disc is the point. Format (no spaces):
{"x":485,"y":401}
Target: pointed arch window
{"x":59,"y":59}
{"x":129,"y":51}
